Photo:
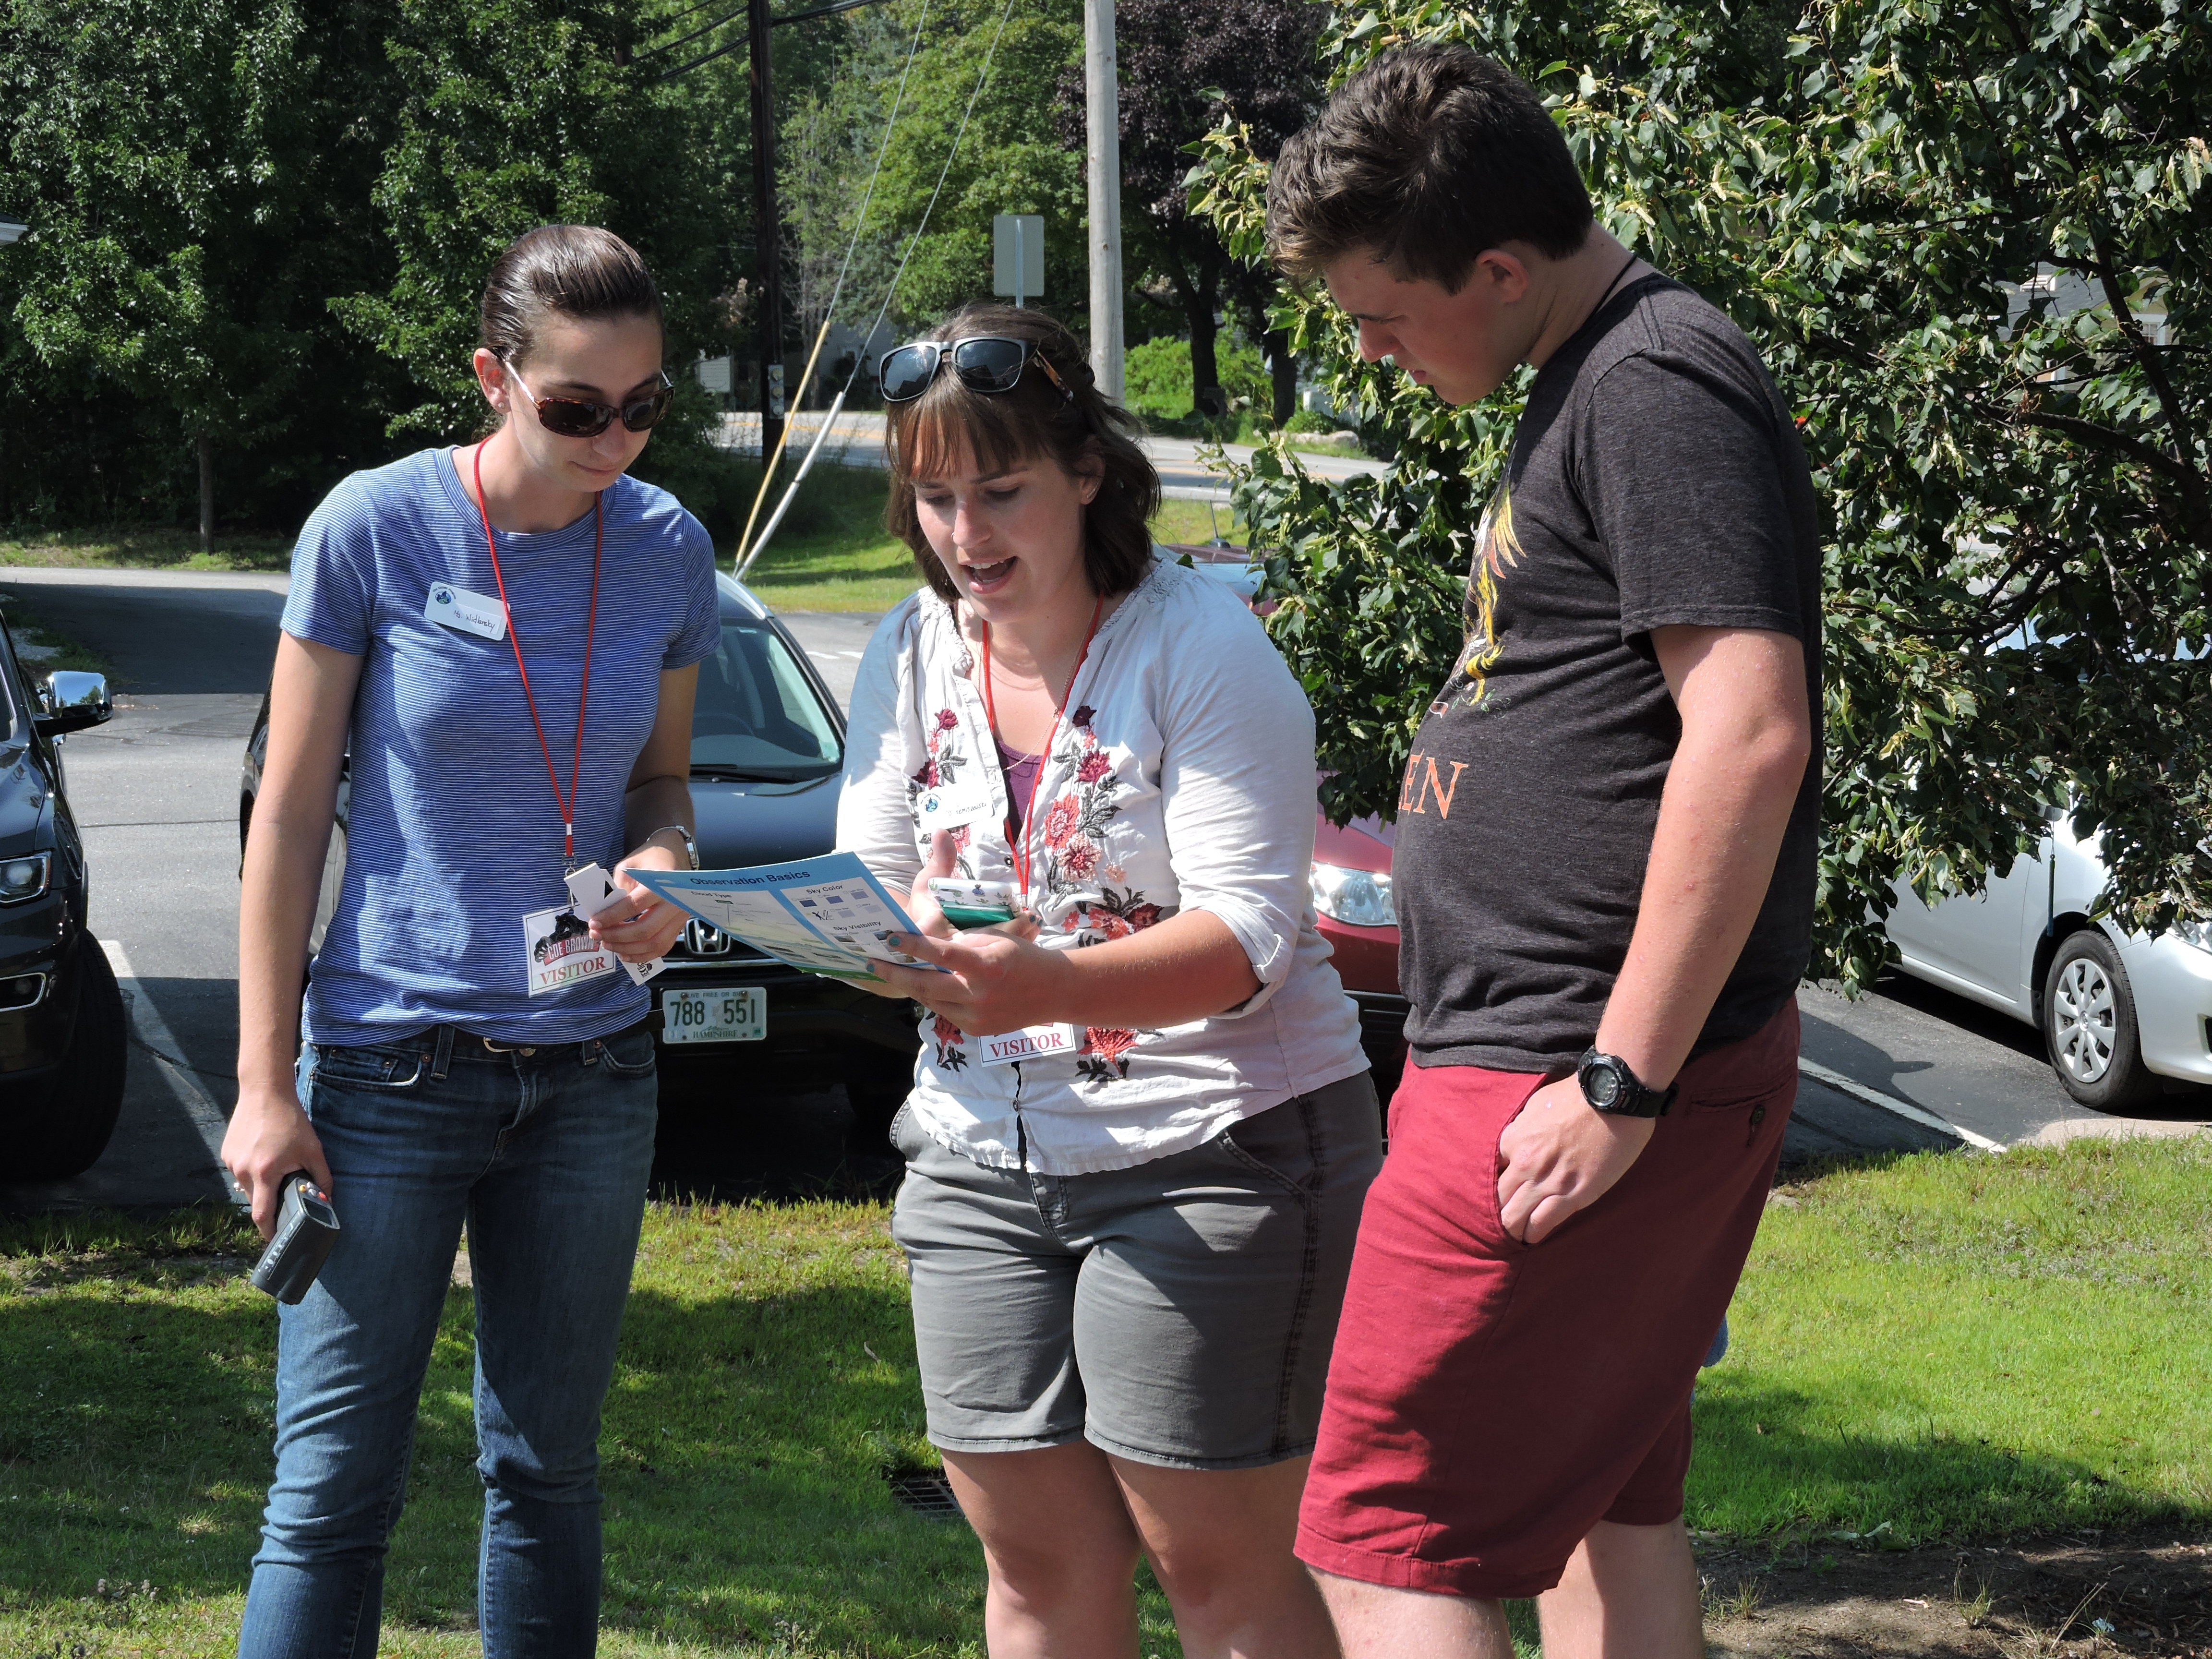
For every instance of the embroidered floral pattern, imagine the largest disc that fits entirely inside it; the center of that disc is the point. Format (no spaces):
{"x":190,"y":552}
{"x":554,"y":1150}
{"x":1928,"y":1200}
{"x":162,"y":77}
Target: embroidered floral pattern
{"x":1060,"y":821}
{"x":949,"y":1036}
{"x":1075,"y":832}
{"x":1103,"y":1057}
{"x":943,"y":765}
{"x":1117,"y":915}
{"x":1079,"y":858}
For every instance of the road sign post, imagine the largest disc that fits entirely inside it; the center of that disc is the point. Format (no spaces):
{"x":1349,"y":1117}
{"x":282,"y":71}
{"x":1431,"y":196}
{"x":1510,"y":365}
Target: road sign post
{"x":1018,"y":256}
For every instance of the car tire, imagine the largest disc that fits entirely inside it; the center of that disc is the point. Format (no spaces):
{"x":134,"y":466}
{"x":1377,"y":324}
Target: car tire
{"x":2089,"y":1024}
{"x":69,"y":1128}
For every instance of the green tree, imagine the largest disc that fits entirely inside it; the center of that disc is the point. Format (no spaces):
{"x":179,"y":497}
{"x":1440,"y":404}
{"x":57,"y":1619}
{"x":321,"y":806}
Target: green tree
{"x":514,"y":114}
{"x":184,"y":233}
{"x":1894,"y":198}
{"x":1009,"y":161}
{"x":1185,"y":65}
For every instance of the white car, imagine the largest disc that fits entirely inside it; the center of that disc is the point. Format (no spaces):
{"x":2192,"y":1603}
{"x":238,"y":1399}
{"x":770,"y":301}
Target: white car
{"x":2119,"y":1011}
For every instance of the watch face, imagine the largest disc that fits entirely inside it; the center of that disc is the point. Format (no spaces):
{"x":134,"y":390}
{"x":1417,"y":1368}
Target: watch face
{"x":1603,"y":1086}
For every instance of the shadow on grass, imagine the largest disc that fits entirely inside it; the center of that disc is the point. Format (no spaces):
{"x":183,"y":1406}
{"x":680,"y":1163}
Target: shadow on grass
{"x":746,"y":1447}
{"x":1778,"y":1460}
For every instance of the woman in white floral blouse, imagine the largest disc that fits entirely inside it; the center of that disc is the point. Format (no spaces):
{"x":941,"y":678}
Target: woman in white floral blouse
{"x":1141,"y":1125}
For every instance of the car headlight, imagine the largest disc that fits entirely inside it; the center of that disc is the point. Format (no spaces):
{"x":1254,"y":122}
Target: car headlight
{"x":1360,"y":897}
{"x":2198,"y":933}
{"x":23,"y":878}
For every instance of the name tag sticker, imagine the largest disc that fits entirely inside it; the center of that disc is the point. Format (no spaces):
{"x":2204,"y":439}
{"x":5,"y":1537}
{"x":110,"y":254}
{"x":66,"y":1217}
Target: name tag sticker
{"x":466,"y":612}
{"x":1032,"y":1042}
{"x":558,"y":950}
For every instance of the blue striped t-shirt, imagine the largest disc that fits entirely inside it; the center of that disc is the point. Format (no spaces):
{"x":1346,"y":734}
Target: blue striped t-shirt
{"x":453,"y":832}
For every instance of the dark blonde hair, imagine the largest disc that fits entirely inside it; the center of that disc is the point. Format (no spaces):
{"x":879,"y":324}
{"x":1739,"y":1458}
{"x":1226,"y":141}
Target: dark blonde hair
{"x":1085,"y":433}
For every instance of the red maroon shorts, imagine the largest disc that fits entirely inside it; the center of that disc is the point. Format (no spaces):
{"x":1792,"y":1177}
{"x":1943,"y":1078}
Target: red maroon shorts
{"x":1490,"y":1401}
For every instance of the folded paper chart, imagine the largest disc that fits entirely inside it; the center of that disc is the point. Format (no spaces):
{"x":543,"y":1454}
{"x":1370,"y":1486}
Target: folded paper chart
{"x":827,"y":915}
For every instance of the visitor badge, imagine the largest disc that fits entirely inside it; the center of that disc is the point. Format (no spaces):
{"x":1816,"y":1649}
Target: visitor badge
{"x":470,"y":613}
{"x":558,"y":950}
{"x":591,"y":890}
{"x":1031,"y":1043}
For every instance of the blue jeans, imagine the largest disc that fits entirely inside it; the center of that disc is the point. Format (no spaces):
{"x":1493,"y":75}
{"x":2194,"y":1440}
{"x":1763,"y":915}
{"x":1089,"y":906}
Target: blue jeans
{"x":545,"y":1156}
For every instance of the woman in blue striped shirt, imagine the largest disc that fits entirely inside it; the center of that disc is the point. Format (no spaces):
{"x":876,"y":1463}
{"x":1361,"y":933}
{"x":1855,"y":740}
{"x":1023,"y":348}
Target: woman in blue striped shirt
{"x":493,"y":647}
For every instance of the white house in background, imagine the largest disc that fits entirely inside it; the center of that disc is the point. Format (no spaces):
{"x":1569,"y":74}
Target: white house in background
{"x":11,"y":230}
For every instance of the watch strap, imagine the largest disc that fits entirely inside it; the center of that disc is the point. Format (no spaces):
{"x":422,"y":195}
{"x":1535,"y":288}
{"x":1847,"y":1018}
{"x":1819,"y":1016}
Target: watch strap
{"x":1633,"y":1099}
{"x":690,"y":847}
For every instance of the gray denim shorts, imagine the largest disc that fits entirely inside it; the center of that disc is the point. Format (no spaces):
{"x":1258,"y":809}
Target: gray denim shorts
{"x":1178,"y":1313}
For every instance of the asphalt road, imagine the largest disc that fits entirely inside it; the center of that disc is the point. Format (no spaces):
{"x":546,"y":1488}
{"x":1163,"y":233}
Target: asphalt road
{"x":857,"y":440}
{"x":156,"y":792}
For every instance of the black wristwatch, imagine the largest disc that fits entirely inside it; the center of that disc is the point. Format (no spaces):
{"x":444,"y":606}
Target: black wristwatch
{"x":1610,"y":1087}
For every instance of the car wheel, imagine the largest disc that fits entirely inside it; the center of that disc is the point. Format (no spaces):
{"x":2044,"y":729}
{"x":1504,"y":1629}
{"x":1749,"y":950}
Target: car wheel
{"x":2089,"y":1024}
{"x":70,"y":1127}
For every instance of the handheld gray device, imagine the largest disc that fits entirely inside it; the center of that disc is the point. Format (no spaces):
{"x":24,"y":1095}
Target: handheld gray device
{"x":306,"y":1227}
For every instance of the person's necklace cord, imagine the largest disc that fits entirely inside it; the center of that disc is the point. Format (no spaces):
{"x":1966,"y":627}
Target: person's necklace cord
{"x":567,"y":805}
{"x":1021,"y":849}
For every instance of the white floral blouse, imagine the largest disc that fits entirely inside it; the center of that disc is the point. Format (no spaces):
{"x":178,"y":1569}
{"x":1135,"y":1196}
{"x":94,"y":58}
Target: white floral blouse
{"x":1182,"y":777}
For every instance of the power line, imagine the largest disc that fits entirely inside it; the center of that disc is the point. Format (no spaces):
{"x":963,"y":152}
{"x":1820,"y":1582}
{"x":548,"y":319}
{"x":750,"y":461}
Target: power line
{"x":738,"y":45}
{"x":707,"y":28}
{"x":914,"y":241}
{"x":836,"y":289}
{"x":670,"y":22}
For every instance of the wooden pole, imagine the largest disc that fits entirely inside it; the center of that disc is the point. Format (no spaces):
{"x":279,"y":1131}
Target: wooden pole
{"x":768,"y":240}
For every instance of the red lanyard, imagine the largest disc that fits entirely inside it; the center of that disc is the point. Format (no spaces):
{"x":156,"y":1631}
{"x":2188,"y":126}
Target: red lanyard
{"x":583,"y":692}
{"x":991,"y":708}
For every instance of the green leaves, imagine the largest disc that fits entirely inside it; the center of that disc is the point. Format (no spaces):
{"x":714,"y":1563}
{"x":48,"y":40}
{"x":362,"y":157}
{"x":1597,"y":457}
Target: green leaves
{"x":1973,"y":244}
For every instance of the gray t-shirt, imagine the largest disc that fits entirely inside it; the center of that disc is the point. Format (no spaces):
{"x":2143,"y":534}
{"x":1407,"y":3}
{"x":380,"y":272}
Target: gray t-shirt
{"x":1655,"y":479}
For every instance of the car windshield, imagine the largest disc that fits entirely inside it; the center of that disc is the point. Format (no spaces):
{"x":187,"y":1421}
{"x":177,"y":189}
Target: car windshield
{"x":757,"y":716}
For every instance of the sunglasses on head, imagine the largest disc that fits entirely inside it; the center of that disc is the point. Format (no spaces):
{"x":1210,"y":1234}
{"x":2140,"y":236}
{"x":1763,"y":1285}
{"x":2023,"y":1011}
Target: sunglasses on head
{"x":987,"y":363}
{"x":581,"y":417}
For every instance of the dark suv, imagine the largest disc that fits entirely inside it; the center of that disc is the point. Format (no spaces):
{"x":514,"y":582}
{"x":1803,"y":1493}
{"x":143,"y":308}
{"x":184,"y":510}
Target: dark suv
{"x":767,"y":748}
{"x":63,"y":1049}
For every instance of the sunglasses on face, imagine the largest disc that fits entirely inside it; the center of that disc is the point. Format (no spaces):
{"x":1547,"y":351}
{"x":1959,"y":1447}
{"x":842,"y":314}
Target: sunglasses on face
{"x":985,"y":364}
{"x":581,"y":417}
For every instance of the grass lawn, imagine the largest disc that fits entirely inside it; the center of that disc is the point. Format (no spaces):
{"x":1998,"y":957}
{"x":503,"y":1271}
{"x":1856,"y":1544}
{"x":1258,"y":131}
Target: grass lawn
{"x":145,"y":549}
{"x":832,"y":552}
{"x":1950,"y":1347}
{"x":1941,"y":1345}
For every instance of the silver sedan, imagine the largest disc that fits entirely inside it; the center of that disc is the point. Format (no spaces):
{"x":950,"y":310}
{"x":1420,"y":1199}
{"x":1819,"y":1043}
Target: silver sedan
{"x":2119,"y":1011}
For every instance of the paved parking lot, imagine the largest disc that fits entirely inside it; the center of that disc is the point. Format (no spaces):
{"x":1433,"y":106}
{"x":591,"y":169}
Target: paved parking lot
{"x":156,"y":792}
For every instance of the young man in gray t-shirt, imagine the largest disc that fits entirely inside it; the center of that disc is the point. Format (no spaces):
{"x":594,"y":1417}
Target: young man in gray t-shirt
{"x":1604,"y":868}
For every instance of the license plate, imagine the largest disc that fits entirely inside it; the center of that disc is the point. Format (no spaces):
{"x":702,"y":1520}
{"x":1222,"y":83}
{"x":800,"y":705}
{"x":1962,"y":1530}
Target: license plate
{"x":733,"y":1013}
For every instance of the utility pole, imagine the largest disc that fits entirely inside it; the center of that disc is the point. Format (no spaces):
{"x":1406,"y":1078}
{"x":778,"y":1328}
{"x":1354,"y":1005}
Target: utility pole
{"x":1103,"y":159}
{"x":766,"y":221}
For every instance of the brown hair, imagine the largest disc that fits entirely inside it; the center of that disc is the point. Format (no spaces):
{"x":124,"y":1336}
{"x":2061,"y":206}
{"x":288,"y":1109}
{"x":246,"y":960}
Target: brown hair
{"x":1425,"y":159}
{"x":577,"y":271}
{"x":1085,"y":433}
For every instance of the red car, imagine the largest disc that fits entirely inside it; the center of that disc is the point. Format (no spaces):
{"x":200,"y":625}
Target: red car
{"x":1352,"y":896}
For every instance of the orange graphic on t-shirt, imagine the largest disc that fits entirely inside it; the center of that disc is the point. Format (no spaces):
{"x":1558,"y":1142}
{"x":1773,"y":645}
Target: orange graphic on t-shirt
{"x":1497,"y":550}
{"x":1415,"y":791}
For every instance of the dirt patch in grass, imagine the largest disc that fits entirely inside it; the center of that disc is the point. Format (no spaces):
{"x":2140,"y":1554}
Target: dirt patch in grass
{"x":2142,"y":1594}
